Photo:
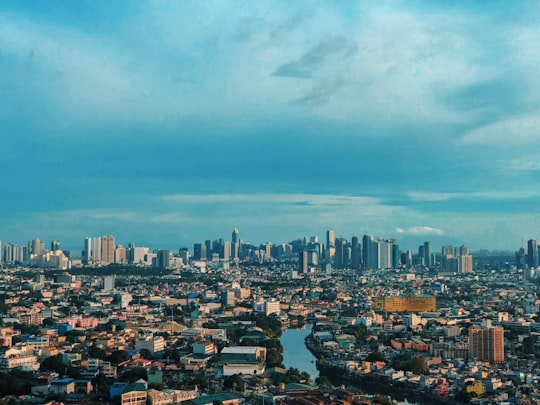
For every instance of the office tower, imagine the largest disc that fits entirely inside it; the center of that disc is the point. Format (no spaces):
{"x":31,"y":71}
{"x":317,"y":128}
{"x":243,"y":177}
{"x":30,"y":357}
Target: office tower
{"x":356,"y":253}
{"x":226,"y":251}
{"x":340,"y":259}
{"x":197,"y":251}
{"x":395,"y":254}
{"x":370,"y":252}
{"x":55,"y":245}
{"x":304,"y":262}
{"x":267,"y":247}
{"x":330,"y":246}
{"x":330,"y":238}
{"x":421,"y":255}
{"x":35,"y":247}
{"x":107,"y":249}
{"x":96,"y":249}
{"x":162,"y":259}
{"x":87,"y":250}
{"x":532,"y":253}
{"x":208,"y":245}
{"x":120,"y":255}
{"x":235,"y":236}
{"x":235,"y":244}
{"x":428,"y":260}
{"x":486,"y":344}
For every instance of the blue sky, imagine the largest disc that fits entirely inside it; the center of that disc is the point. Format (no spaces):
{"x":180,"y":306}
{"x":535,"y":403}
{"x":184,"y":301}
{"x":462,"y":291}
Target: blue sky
{"x":166,"y":123}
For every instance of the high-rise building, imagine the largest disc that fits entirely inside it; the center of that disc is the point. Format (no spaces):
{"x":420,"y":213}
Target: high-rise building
{"x":487,"y":344}
{"x":120,"y":255}
{"x":428,"y":260}
{"x":162,"y":259}
{"x":87,"y":251}
{"x":209,"y":252}
{"x":356,"y":253}
{"x":340,"y":259}
{"x":55,"y":245}
{"x":36,"y":247}
{"x":235,"y":236}
{"x":235,"y":244}
{"x":304,"y":261}
{"x":226,"y":252}
{"x":96,"y":250}
{"x":330,"y":238}
{"x":107,"y":249}
{"x":330,"y":245}
{"x":198,"y":251}
{"x":532,"y":253}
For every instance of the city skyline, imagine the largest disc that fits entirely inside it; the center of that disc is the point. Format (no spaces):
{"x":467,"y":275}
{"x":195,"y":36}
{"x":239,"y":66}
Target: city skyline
{"x":165,"y":123}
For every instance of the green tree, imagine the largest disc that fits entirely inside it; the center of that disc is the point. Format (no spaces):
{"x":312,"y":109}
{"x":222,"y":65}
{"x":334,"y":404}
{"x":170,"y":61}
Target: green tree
{"x":54,"y":363}
{"x":375,"y":356}
{"x":118,"y":356}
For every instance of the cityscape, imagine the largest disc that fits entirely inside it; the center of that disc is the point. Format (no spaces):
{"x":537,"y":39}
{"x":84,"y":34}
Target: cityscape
{"x":218,"y":322}
{"x":269,"y":202}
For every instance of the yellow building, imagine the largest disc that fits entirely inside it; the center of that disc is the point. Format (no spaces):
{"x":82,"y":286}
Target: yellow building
{"x":402,"y":304}
{"x":477,"y":387}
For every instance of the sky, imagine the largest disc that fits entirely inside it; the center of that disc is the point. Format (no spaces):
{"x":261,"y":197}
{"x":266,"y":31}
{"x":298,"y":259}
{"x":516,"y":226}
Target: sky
{"x":166,"y":123}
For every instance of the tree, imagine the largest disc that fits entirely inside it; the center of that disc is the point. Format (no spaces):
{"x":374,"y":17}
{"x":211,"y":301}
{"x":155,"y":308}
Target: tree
{"x":54,"y":363}
{"x":145,"y":353}
{"x":375,"y":356}
{"x":324,"y":381}
{"x":95,"y":352}
{"x":419,"y":365}
{"x":118,"y":356}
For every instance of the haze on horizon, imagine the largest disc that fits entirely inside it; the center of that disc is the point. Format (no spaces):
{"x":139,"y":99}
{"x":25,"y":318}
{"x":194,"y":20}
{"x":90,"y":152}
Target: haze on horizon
{"x":174,"y":122}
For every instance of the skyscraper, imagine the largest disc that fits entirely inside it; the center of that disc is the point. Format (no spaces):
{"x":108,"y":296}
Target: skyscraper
{"x":340,"y":260}
{"x":330,"y":245}
{"x":235,"y":236}
{"x":235,"y":243}
{"x":486,"y":344}
{"x":87,"y":250}
{"x":55,"y":245}
{"x":330,"y":238}
{"x":356,"y":253}
{"x":107,"y":249}
{"x":162,"y":259}
{"x":428,"y":262}
{"x":532,"y":253}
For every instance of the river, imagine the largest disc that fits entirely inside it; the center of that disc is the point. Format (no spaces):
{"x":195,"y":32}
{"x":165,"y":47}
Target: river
{"x":295,"y":352}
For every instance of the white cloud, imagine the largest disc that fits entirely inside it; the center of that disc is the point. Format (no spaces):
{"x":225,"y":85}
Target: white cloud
{"x":420,"y":231}
{"x":476,"y":195}
{"x":516,"y":131}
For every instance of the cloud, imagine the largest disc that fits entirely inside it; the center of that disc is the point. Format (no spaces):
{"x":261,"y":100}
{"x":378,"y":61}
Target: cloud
{"x":311,"y":61}
{"x":321,"y":93}
{"x":476,"y":195}
{"x":420,"y":231}
{"x":517,"y":131}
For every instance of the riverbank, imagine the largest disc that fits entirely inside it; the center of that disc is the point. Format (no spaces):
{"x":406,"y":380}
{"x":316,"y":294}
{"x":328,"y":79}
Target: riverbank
{"x":373,"y":384}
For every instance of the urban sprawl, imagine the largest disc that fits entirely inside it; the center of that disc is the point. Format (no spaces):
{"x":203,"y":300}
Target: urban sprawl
{"x":203,"y":326}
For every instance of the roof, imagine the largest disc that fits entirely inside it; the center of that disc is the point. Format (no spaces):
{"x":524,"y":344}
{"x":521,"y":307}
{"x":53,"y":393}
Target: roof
{"x":62,"y":381}
{"x":240,"y":350}
{"x":208,"y":399}
{"x":136,"y":386}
